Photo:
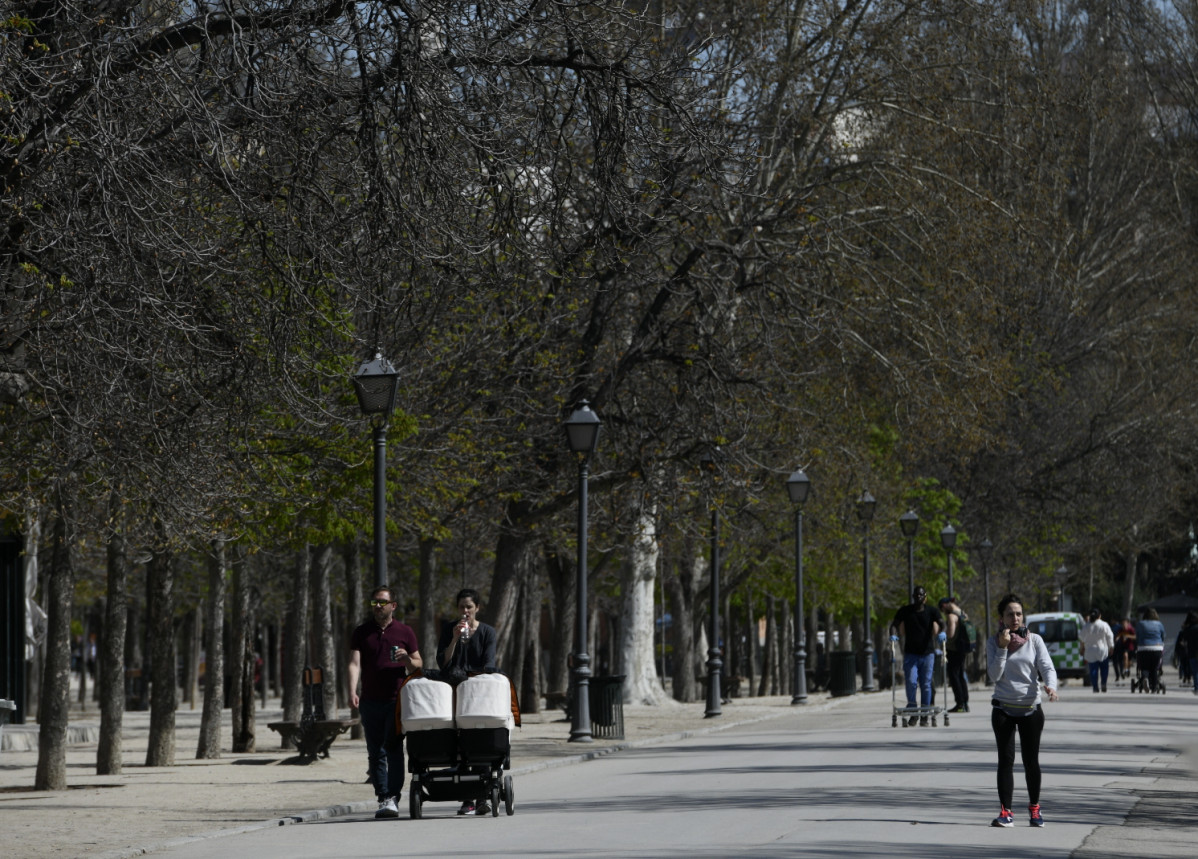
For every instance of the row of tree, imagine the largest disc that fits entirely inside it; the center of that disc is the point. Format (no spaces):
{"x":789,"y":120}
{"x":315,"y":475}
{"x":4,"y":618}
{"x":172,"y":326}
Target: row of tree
{"x":934,"y":249}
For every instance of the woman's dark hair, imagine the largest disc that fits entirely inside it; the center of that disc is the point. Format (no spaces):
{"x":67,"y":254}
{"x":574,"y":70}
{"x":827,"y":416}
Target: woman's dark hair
{"x":1191,"y":618}
{"x":1150,"y":614}
{"x":467,"y":593}
{"x":1006,"y":601}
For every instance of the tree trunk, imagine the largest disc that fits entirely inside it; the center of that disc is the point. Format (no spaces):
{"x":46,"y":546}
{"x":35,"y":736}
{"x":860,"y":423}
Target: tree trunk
{"x":295,"y":638}
{"x":135,"y":653}
{"x":786,"y":650}
{"x":109,"y":757}
{"x":530,"y":627}
{"x":192,"y":630}
{"x":641,"y":685}
{"x":426,"y":635}
{"x":511,"y":566}
{"x":681,"y":589}
{"x":354,"y":598}
{"x":562,"y":608}
{"x":83,"y":645}
{"x":769,"y":665}
{"x":750,"y":648}
{"x":239,"y":645}
{"x":214,"y":662}
{"x":1129,"y":595}
{"x":54,"y":705}
{"x":322,"y":625}
{"x":161,"y":629}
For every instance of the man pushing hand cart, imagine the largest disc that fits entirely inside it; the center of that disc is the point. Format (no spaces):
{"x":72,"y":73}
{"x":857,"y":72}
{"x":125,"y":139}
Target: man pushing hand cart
{"x":920,"y":626}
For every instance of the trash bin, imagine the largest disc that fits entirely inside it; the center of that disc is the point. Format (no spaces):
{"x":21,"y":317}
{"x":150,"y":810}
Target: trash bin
{"x":607,"y":707}
{"x":842,"y":679}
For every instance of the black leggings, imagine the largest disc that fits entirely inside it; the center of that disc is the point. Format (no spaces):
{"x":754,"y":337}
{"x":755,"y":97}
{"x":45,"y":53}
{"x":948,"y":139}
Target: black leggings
{"x":1030,"y":728}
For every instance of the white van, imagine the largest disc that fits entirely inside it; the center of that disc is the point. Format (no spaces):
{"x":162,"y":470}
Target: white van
{"x":1061,"y":631}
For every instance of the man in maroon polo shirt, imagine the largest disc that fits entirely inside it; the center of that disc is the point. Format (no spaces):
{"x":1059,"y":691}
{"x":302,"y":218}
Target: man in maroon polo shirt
{"x":382,"y":650}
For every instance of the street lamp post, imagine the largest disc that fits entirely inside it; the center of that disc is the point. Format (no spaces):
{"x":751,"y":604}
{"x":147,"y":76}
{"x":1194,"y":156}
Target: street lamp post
{"x":865,"y":512}
{"x":711,"y":462}
{"x":985,"y":546}
{"x":1062,"y":576}
{"x":909,"y":523}
{"x":376,"y":383}
{"x":799,"y":485}
{"x":582,"y":434}
{"x":948,"y":539}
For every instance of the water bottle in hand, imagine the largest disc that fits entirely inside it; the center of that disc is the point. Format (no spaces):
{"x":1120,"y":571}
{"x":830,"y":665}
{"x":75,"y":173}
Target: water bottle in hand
{"x":465,"y":628}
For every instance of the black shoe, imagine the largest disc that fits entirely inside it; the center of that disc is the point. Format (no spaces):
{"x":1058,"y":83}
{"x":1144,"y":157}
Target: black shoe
{"x":923,"y":721}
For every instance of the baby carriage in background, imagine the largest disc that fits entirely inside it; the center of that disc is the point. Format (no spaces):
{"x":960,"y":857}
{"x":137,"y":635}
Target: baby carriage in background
{"x":1142,"y":682}
{"x":458,"y":740}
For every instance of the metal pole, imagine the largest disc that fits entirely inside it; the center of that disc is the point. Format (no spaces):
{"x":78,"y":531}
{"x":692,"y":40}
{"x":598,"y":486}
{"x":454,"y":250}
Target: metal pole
{"x":986,"y":587}
{"x":580,"y":729}
{"x":800,"y":678}
{"x":714,"y":663}
{"x":380,"y":504}
{"x":949,"y":552}
{"x":662,"y":588}
{"x":867,"y":681}
{"x":910,"y":565}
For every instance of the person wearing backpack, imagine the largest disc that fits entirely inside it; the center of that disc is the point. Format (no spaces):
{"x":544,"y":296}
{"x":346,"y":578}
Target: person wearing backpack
{"x":957,"y":647}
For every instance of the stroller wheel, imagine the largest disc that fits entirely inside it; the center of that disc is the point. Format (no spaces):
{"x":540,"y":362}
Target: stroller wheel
{"x":414,"y":802}
{"x":495,"y":798}
{"x":509,"y":796}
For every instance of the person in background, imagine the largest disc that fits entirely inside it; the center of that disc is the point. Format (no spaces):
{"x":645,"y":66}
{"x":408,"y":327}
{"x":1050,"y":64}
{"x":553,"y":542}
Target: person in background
{"x":1187,"y":646}
{"x":382,"y":651}
{"x":1016,"y":659}
{"x":1150,"y":647}
{"x":919,"y":624}
{"x":1125,"y":648}
{"x":955,"y":652}
{"x":1097,"y":643}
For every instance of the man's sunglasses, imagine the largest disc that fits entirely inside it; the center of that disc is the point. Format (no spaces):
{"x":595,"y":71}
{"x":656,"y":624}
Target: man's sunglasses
{"x":380,"y":603}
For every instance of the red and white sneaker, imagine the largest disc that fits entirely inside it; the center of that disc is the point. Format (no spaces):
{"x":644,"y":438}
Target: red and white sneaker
{"x":1005,"y":818}
{"x":1034,"y":816}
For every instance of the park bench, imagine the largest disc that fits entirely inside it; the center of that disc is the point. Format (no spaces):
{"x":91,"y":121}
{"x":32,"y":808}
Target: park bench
{"x":313,"y":733}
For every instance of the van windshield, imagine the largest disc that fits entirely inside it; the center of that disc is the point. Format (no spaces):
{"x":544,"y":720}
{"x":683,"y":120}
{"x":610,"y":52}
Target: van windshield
{"x":1055,"y":630}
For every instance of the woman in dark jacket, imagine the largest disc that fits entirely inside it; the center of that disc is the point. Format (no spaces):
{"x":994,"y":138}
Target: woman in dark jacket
{"x":468,"y":644}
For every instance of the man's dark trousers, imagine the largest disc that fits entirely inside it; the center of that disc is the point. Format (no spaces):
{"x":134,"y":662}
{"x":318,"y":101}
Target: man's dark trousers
{"x":384,"y":751}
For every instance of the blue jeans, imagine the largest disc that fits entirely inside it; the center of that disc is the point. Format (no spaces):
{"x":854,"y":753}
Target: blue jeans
{"x":384,"y":751}
{"x":917,"y":671}
{"x":1097,"y":668}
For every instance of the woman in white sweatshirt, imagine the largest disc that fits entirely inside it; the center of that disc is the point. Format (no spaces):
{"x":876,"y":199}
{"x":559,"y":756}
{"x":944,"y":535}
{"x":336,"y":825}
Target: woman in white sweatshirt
{"x":1017,"y":660}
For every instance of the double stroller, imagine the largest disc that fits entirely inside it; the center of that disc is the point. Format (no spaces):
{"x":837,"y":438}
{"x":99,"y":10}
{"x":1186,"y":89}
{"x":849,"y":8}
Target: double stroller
{"x":458,"y":740}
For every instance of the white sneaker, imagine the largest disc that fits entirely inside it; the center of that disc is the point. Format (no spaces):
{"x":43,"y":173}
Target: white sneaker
{"x":387,"y":808}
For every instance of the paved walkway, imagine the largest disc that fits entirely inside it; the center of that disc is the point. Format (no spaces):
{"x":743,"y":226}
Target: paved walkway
{"x":112,"y":817}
